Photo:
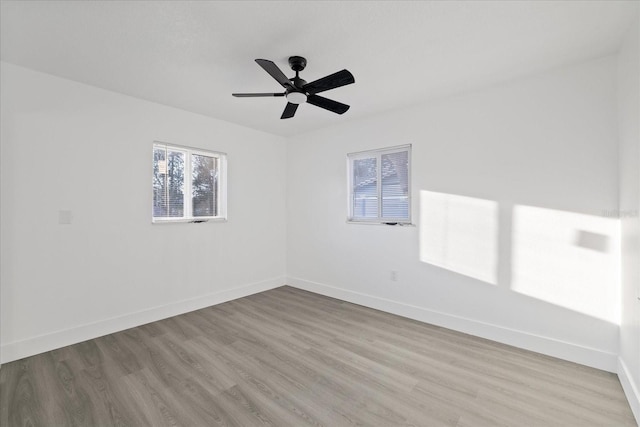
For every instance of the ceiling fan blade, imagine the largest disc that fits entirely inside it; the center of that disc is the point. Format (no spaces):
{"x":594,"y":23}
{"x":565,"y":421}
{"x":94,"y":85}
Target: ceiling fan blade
{"x":289,"y":111}
{"x":327,"y":104}
{"x":341,"y":78}
{"x":274,"y":71}
{"x":254,"y":95}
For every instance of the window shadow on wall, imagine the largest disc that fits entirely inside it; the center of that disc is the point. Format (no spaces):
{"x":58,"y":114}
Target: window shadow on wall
{"x":565,"y":258}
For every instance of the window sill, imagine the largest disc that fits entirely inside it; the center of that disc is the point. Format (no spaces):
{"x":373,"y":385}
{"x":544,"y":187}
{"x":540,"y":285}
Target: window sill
{"x":386,"y":223}
{"x":187,"y":221}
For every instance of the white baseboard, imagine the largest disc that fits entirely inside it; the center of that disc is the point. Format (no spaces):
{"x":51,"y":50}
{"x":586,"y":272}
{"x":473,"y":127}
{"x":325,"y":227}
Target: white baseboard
{"x":630,"y":388}
{"x":563,"y":350}
{"x":39,"y":344}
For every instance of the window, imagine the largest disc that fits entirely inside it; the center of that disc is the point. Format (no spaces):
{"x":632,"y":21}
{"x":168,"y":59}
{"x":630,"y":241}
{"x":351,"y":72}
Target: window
{"x":188,"y":184}
{"x":379,"y":185}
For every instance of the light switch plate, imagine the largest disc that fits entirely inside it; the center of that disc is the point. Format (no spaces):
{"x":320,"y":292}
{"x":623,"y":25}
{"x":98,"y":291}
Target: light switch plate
{"x":64,"y":217}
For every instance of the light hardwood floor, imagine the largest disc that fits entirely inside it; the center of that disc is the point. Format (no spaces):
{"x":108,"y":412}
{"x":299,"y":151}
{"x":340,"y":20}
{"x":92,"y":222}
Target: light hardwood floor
{"x":287,"y":357}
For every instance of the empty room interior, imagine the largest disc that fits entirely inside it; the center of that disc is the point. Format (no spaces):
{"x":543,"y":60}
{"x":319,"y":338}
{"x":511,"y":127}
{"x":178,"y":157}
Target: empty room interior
{"x":280,"y":213}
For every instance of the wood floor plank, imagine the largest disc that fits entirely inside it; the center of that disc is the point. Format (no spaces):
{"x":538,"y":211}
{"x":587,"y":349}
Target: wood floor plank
{"x":288,"y":357}
{"x":21,"y":406}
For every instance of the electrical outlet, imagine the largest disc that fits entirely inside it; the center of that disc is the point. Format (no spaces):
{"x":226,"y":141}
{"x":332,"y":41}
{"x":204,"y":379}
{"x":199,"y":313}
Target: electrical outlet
{"x":394,"y":276}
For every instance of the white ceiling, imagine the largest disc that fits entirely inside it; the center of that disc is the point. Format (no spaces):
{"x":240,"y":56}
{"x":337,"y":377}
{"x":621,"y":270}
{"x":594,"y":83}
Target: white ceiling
{"x":193,"y":55}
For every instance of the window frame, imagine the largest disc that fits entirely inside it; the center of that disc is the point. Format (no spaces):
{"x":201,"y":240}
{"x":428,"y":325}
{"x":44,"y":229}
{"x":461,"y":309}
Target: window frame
{"x":221,"y":190}
{"x":377,"y":154}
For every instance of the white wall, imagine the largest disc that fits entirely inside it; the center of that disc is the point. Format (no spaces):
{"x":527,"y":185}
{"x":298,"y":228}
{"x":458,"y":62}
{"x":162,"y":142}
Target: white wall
{"x":68,"y":146}
{"x":629,"y":117}
{"x":528,"y":168}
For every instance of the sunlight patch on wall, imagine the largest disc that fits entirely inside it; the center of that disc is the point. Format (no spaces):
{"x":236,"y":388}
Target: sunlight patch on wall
{"x":567,"y":259}
{"x":460,"y":234}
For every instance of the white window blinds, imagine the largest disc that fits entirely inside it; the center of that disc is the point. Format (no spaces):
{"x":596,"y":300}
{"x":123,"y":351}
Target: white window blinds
{"x":379,"y":185}
{"x":168,"y":182}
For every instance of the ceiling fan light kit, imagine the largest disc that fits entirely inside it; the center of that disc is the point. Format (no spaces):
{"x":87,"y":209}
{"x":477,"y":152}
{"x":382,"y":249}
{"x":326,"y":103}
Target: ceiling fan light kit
{"x":298,"y":91}
{"x":295,"y":97}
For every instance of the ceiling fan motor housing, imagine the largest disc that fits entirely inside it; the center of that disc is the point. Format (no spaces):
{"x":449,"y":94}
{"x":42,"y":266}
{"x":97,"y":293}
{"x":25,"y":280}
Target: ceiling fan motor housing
{"x":297,"y":95}
{"x":297,"y":63}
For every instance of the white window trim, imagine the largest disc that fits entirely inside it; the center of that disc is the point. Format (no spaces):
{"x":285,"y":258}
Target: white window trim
{"x":378,"y":153}
{"x":221,"y":201}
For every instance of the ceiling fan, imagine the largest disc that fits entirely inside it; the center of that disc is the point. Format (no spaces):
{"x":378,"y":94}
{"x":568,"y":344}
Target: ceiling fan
{"x":298,"y":91}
